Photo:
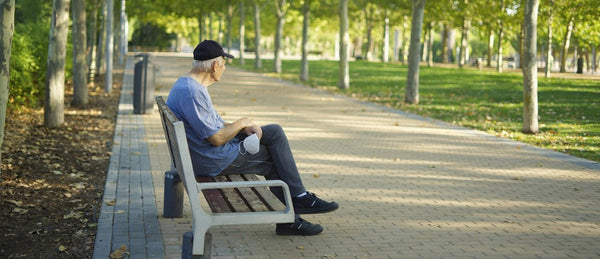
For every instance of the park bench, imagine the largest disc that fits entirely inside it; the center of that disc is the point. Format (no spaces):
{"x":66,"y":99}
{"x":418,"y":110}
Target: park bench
{"x":228,"y":200}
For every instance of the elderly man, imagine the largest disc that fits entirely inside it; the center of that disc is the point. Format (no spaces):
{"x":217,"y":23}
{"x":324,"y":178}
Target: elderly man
{"x":215,"y":145}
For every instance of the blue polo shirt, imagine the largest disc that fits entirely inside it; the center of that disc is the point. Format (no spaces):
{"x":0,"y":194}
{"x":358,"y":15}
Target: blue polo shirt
{"x":191,"y":103}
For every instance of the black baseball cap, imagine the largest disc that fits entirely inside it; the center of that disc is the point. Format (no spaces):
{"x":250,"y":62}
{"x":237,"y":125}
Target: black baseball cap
{"x":209,"y":49}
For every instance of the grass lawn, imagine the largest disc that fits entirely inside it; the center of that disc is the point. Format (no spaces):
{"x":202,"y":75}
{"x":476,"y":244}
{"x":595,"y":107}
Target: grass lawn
{"x":569,"y":109}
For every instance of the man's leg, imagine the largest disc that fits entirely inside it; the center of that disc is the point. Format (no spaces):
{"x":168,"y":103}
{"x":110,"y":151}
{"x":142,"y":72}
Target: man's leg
{"x":275,"y":155}
{"x":274,"y":160}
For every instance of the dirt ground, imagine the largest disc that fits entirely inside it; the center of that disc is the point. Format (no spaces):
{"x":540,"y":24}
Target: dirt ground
{"x":52,"y":180}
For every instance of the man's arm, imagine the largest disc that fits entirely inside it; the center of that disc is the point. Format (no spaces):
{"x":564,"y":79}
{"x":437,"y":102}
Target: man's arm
{"x":232,"y":129}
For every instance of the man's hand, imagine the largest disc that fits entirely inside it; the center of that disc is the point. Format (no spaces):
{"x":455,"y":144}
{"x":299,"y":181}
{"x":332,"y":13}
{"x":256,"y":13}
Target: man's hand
{"x":231,"y":129}
{"x":252,"y":130}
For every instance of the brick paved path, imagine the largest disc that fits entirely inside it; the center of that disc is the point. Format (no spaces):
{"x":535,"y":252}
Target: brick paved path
{"x":408,"y":187}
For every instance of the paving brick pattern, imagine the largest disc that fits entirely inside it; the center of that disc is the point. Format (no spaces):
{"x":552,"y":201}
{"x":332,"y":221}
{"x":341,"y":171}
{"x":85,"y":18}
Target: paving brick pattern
{"x":408,"y":187}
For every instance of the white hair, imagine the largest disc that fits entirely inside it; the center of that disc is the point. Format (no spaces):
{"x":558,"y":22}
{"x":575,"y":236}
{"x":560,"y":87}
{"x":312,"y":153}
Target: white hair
{"x":206,"y":65}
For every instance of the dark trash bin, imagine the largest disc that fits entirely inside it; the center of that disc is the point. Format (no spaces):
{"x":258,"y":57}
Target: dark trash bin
{"x":580,"y":65}
{"x":143,"y":84}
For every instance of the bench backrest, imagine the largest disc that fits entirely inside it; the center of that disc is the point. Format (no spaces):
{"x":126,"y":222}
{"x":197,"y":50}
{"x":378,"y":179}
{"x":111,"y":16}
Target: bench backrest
{"x":178,"y":149}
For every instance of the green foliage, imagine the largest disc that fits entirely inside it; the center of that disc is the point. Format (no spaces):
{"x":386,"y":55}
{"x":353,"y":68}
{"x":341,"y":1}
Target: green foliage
{"x":28,"y":65}
{"x":153,"y":36}
{"x":569,"y":109}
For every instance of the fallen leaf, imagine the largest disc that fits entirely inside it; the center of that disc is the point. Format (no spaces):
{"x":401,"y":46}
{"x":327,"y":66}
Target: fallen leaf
{"x":62,"y":248}
{"x":111,"y":203}
{"x":22,"y":211}
{"x":316,"y":175}
{"x":119,"y":253}
{"x":16,"y":203}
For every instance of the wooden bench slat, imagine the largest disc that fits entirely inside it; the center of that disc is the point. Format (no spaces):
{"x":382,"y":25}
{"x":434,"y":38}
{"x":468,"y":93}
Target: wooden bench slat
{"x":234,"y":199}
{"x":252,"y":200}
{"x":266,"y":196}
{"x":214,"y":197}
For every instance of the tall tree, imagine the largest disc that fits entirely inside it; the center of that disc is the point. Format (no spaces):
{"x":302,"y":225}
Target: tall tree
{"x":257,"y":50}
{"x":92,"y":33}
{"x":500,"y":37}
{"x":230,"y":11}
{"x":55,"y":70}
{"x":386,"y":37}
{"x":7,"y":17}
{"x":109,"y":44}
{"x":305,"y":27}
{"x":566,"y":43}
{"x":466,"y":27}
{"x":123,"y":32}
{"x":412,"y":80}
{"x":101,"y":45}
{"x":530,"y":100}
{"x":549,"y":59}
{"x":370,"y":12}
{"x":242,"y":31}
{"x":344,"y":73}
{"x":280,"y":11}
{"x":430,"y":44}
{"x":80,"y":89}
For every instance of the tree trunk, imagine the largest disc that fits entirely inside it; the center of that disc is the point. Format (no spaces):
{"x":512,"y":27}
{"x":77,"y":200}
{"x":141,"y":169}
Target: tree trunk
{"x":404,"y":51}
{"x":549,"y":59}
{"x":257,"y":60}
{"x":7,"y":17}
{"x":462,"y":56}
{"x":499,"y":61}
{"x":594,"y":66}
{"x":229,"y":17}
{"x":386,"y":38}
{"x":369,"y":27}
{"x":201,"y":29}
{"x":530,"y":100}
{"x":430,"y":46}
{"x":92,"y":33}
{"x":80,"y":89}
{"x":412,"y":80}
{"x":396,"y":44}
{"x":281,"y":9}
{"x":344,"y":73}
{"x":490,"y":48}
{"x":424,"y":46}
{"x":55,"y":70}
{"x":242,"y":32}
{"x":445,"y":33}
{"x":109,"y":45}
{"x":209,"y":26}
{"x":101,"y":47}
{"x":123,"y":33}
{"x":305,"y":27}
{"x":565,"y":48}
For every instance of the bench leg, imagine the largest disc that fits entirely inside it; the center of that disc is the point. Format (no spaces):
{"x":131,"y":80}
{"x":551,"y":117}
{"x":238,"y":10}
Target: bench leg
{"x":188,"y":243}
